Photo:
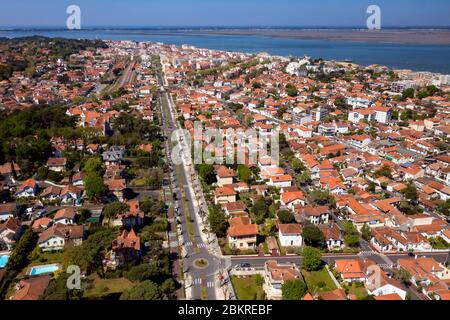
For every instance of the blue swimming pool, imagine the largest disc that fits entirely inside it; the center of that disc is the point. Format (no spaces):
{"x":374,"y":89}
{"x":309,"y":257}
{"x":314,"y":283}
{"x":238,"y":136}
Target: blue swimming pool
{"x":3,"y":261}
{"x":37,"y":270}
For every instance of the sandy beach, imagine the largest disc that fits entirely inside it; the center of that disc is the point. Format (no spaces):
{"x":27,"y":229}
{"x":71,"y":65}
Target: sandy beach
{"x":399,"y":36}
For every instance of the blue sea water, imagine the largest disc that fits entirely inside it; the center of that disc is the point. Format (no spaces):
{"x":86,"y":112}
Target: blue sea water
{"x":434,"y":58}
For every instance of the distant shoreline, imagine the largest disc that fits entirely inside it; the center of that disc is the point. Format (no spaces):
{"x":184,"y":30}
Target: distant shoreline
{"x":412,"y":35}
{"x":392,"y":36}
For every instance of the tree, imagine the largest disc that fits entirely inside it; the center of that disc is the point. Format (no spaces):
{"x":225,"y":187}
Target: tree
{"x":444,"y":207}
{"x":260,"y":209}
{"x":34,"y":149}
{"x":113,"y":209}
{"x":366,"y":232}
{"x":244,"y":173}
{"x":322,"y":197}
{"x":218,"y":221}
{"x":403,"y":275}
{"x":57,"y":290}
{"x":408,"y":93}
{"x":89,"y":256}
{"x":351,"y":237}
{"x":311,"y":259}
{"x":94,"y":165}
{"x":293,"y":290}
{"x":348,"y":227}
{"x":168,"y":287}
{"x":410,"y":192}
{"x":351,"y":240}
{"x":313,"y":236}
{"x":286,"y":216}
{"x":291,"y":90}
{"x":94,"y":186}
{"x":297,"y":165}
{"x":305,"y":177}
{"x":152,"y":207}
{"x":146,"y":290}
{"x":19,"y":259}
{"x":19,"y":255}
{"x":156,"y":271}
{"x":385,"y":171}
{"x":206,"y":172}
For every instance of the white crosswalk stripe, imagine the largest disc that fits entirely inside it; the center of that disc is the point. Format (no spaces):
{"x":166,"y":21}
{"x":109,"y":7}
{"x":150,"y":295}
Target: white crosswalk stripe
{"x":367,"y":253}
{"x":201,"y":245}
{"x":197,"y":281}
{"x":210,"y":284}
{"x":188,"y":244}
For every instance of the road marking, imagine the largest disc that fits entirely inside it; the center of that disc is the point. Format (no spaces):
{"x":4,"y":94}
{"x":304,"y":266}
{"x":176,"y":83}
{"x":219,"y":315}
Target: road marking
{"x":188,"y":244}
{"x":210,"y":284}
{"x":201,"y":245}
{"x":367,"y":253}
{"x":197,"y":281}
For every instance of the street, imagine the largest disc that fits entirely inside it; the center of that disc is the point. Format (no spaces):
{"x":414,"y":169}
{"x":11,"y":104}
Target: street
{"x":202,"y":278}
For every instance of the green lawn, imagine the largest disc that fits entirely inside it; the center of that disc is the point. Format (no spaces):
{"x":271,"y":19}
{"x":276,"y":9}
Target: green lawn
{"x":48,"y":257}
{"x":318,"y":281}
{"x":359,"y":291}
{"x":102,"y":287}
{"x":439,"y":243}
{"x":248,"y":287}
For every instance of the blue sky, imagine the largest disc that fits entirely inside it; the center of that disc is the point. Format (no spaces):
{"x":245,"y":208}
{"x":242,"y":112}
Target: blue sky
{"x":123,"y":13}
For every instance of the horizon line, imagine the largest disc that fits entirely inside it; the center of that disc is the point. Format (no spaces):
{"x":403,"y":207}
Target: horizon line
{"x":224,"y":27}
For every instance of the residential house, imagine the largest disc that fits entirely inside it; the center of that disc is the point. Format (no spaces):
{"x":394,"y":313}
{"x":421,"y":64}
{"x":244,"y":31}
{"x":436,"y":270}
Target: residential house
{"x":380,"y":284}
{"x":65,"y":216}
{"x":41,"y":224}
{"x":233,"y":208}
{"x":125,"y":248}
{"x":224,"y":176}
{"x":314,"y":215}
{"x":275,"y":275}
{"x":57,"y":164}
{"x":353,"y":270}
{"x":8,"y":210}
{"x":70,"y":194}
{"x":117,"y":187}
{"x":292,"y":199}
{"x":332,"y":235}
{"x":32,"y":288}
{"x":113,"y":156}
{"x":10,"y":171}
{"x":290,"y":235}
{"x":51,"y":193}
{"x":78,"y":179}
{"x":58,"y":236}
{"x":28,"y":189}
{"x":133,"y":217}
{"x":282,"y":181}
{"x":242,"y":233}
{"x":224,"y":195}
{"x":424,"y":271}
{"x":10,"y":231}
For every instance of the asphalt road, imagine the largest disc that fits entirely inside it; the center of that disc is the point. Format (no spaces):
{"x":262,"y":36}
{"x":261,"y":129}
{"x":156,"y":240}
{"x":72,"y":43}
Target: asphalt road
{"x":196,"y":249}
{"x":257,"y":261}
